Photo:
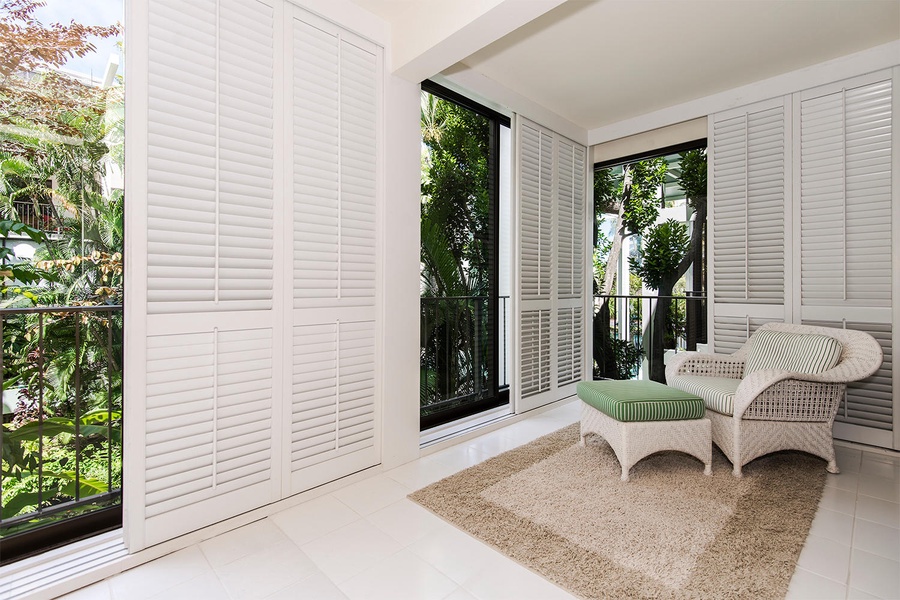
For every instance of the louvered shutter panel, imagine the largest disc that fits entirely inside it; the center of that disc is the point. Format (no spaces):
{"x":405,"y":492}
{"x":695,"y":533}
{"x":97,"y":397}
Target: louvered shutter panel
{"x":845,"y":196}
{"x":535,"y":352}
{"x":748,"y":206}
{"x":551,"y":216}
{"x":749,"y":178}
{"x":535,"y":159}
{"x":730,"y":333}
{"x":333,"y":392}
{"x":536,"y":187}
{"x":570,"y":210}
{"x":867,"y":411}
{"x":334,"y":103}
{"x":570,"y":340}
{"x":209,"y":377}
{"x":208,"y":427}
{"x":570,"y":261}
{"x":847,"y":211}
{"x":211,"y":157}
{"x":316,"y":131}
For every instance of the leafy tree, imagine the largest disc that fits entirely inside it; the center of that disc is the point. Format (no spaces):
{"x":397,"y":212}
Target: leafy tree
{"x":455,"y":238}
{"x":59,"y":138}
{"x":633,"y":198}
{"x":34,"y":96}
{"x":668,"y":252}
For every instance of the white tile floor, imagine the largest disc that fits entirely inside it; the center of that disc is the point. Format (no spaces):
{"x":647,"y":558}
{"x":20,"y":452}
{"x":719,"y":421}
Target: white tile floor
{"x":367,"y":541}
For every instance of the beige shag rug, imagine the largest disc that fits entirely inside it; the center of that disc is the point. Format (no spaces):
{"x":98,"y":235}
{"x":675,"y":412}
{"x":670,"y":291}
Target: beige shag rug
{"x":670,"y":532}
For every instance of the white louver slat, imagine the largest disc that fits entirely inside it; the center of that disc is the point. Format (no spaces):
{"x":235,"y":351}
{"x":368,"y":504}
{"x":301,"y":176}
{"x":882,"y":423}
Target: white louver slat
{"x":536,"y":212}
{"x":570,"y":342}
{"x":748,"y":207}
{"x":845,"y":197}
{"x":333,"y":395}
{"x":570,"y":217}
{"x":730,"y":333}
{"x":869,"y":402}
{"x":210,"y":156}
{"x":209,"y":419}
{"x":335,"y":127}
{"x":316,"y":112}
{"x":535,"y":358}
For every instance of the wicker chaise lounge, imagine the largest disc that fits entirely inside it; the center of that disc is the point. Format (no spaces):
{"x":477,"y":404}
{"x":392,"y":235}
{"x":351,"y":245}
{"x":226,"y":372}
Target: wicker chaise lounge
{"x":780,"y":391}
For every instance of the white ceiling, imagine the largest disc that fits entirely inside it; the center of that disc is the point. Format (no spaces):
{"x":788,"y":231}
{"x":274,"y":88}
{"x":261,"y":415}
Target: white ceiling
{"x":602,"y":61}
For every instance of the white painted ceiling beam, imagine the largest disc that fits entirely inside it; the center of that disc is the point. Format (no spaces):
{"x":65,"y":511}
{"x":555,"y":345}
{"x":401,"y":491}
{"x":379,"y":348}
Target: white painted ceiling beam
{"x":429,"y":37}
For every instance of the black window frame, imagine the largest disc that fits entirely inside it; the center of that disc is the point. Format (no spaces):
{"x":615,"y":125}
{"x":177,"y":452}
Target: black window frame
{"x":498,"y":395}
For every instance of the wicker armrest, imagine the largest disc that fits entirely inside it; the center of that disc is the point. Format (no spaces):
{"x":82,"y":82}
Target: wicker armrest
{"x":708,"y":365}
{"x":779,"y":395}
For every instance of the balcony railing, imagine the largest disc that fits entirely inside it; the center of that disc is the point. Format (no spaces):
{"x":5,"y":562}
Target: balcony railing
{"x":456,"y":351}
{"x":61,"y":435}
{"x":41,"y":215}
{"x":626,"y":343}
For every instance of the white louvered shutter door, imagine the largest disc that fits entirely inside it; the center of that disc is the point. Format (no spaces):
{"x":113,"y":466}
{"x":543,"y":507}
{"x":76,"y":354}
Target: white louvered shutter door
{"x":551,"y":209}
{"x":334,"y":104}
{"x":210,"y":360}
{"x":536,"y":246}
{"x":749,"y":181}
{"x":536,"y":187}
{"x":570,"y":261}
{"x":731,"y":332}
{"x":846,"y":212}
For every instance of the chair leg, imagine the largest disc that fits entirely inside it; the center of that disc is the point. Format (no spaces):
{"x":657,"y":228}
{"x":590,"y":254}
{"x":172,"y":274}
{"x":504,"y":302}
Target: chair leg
{"x":832,"y":467}
{"x":737,"y":470}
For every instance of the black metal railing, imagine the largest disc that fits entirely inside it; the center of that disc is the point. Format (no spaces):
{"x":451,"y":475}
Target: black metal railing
{"x":61,"y":375}
{"x":457,"y":346}
{"x":633,"y":333}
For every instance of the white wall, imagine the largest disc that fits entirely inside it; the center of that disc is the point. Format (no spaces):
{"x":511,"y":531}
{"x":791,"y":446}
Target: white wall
{"x":400,"y":395}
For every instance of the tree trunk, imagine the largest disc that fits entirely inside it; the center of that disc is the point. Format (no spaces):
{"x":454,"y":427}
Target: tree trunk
{"x":660,"y":314}
{"x":604,"y":356}
{"x":657,"y":337}
{"x":612,"y":261}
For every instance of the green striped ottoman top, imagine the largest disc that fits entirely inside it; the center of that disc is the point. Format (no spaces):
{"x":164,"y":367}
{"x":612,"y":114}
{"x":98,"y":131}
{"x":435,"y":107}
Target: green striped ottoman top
{"x":640,"y":400}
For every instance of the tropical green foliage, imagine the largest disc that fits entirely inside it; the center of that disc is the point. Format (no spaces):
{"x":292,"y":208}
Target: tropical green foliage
{"x":664,"y":247}
{"x":60,"y":146}
{"x":455,"y":238}
{"x":665,"y":252}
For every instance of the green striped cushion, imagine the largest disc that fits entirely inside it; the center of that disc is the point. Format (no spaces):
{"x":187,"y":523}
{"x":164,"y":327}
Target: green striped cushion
{"x":796,"y":352}
{"x":717,"y":392}
{"x":640,"y":400}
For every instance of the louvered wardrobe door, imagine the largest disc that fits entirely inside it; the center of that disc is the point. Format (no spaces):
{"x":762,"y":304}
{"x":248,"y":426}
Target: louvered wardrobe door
{"x":334,"y":100}
{"x":210,"y":366}
{"x":847,"y":208}
{"x":845,"y":194}
{"x":211,"y":150}
{"x":750,"y":181}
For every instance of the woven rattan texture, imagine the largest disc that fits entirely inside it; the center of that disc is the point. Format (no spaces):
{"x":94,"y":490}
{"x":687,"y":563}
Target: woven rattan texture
{"x":780,"y":410}
{"x":635,"y":440}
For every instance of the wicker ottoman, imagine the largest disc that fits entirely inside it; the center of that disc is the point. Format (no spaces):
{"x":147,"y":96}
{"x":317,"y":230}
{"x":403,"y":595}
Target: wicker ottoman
{"x":640,"y":418}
